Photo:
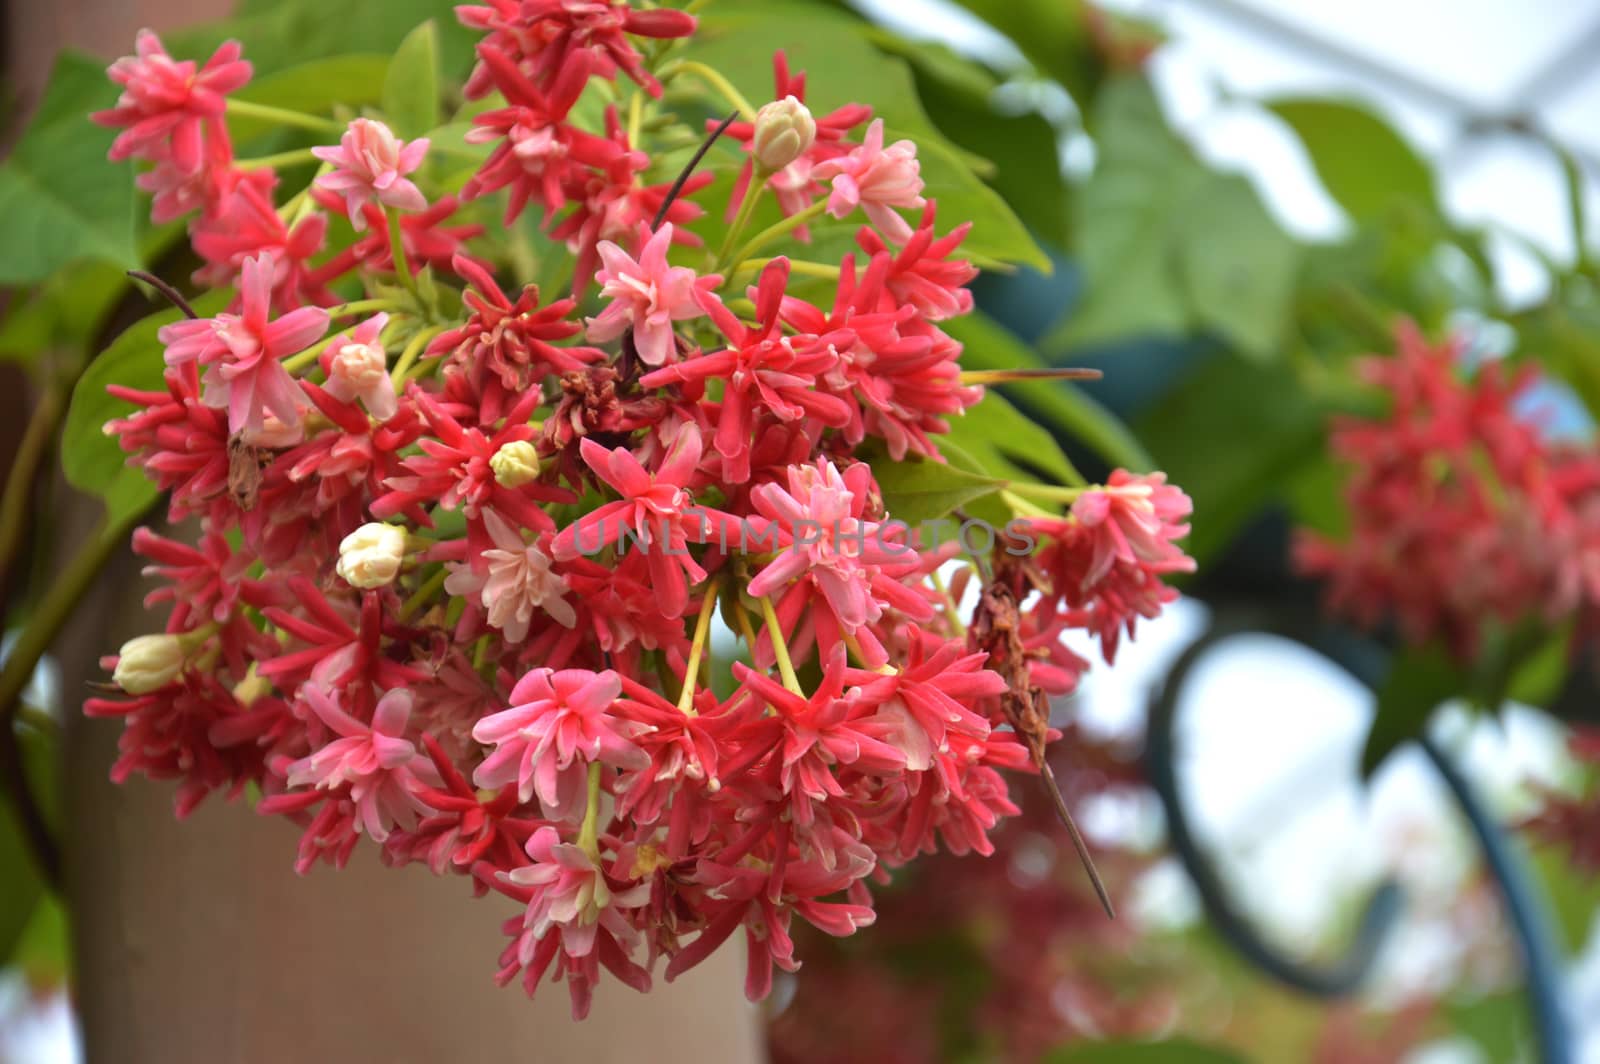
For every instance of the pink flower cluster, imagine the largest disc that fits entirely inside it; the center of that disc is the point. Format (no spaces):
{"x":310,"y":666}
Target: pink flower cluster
{"x":1462,"y":512}
{"x":458,"y":567}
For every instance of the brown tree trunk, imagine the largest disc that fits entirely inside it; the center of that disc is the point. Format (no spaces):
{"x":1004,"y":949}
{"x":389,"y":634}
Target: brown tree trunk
{"x":197,"y":942}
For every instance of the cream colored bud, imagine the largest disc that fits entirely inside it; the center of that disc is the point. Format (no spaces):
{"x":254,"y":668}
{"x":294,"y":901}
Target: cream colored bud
{"x":515,"y":464}
{"x":371,"y":556}
{"x":784,"y":130}
{"x":148,"y":663}
{"x":359,"y":366}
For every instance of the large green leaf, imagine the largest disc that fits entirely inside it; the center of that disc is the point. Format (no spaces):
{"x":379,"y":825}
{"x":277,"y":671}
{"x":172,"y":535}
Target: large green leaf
{"x":278,"y":34}
{"x":739,"y":38}
{"x":313,"y":87}
{"x":997,"y":233}
{"x":61,"y":200}
{"x":1010,"y":445}
{"x":1363,"y":163}
{"x":1022,"y":146}
{"x":63,"y":314}
{"x":1177,"y":1051}
{"x":1238,"y":267}
{"x":1064,"y":408}
{"x":919,"y":490}
{"x":411,"y":85}
{"x":1232,"y":434}
{"x":92,"y":460}
{"x":1419,"y":679}
{"x":1168,"y":246}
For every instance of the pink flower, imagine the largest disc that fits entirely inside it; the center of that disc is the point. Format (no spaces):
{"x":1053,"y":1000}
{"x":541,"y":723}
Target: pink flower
{"x":553,"y":36}
{"x":656,"y":509}
{"x":876,"y":179}
{"x":371,"y":163}
{"x":570,"y":893}
{"x":518,"y":582}
{"x":923,"y":274}
{"x":648,"y":295}
{"x":382,"y":769}
{"x":567,"y":893}
{"x":558,"y":724}
{"x":1135,"y":519}
{"x":242,"y":351}
{"x":167,"y":109}
{"x":358,"y":369}
{"x":794,"y":187}
{"x":842,"y":563}
{"x":767,"y":374}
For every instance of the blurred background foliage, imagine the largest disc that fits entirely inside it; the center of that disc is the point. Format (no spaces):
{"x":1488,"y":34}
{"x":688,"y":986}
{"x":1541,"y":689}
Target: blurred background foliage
{"x":1226,"y":344}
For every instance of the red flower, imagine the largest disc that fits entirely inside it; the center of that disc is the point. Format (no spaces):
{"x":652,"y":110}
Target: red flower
{"x":168,"y":109}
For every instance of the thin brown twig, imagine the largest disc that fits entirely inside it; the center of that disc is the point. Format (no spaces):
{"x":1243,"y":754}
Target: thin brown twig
{"x":174,"y":296}
{"x":688,"y":170}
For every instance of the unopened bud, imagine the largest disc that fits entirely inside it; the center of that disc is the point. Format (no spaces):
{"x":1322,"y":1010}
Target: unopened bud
{"x":371,"y":556}
{"x":784,"y":130}
{"x":359,"y":366}
{"x":515,"y":464}
{"x":148,"y":663}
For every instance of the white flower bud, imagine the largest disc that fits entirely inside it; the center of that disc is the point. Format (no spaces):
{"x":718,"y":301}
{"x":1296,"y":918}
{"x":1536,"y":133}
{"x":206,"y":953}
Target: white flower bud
{"x":370,"y":556}
{"x":148,"y":663}
{"x":359,"y":366}
{"x":784,"y":130}
{"x":515,"y":464}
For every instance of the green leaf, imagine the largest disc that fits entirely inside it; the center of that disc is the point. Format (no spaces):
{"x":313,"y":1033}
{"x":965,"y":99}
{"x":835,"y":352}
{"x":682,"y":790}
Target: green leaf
{"x":278,"y":34}
{"x":1419,"y":679}
{"x":1363,"y":163}
{"x":1062,"y":406}
{"x":920,"y":490}
{"x":1168,"y":246}
{"x":63,"y":314}
{"x":20,"y":887}
{"x":1051,"y":34}
{"x":93,"y":461}
{"x":411,"y":85}
{"x":739,"y":37}
{"x":1009,"y":445}
{"x":1238,"y":268}
{"x":1232,"y":434}
{"x":1177,"y":1051}
{"x":997,"y":232}
{"x":61,"y":200}
{"x":1026,"y":161}
{"x":44,"y":952}
{"x":312,"y":87}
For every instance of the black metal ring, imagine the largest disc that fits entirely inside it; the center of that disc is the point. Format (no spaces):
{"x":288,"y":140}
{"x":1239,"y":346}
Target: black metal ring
{"x":1366,"y":663}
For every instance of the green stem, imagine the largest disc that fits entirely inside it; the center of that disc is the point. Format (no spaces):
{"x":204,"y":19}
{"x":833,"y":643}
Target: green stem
{"x":1051,"y":492}
{"x":702,"y":632}
{"x":362,"y":306}
{"x":46,"y":623}
{"x":14,"y":507}
{"x":1023,"y":506}
{"x":282,"y":158}
{"x":412,"y":352}
{"x":589,"y":833}
{"x":747,"y":209}
{"x":635,"y":117}
{"x":802,"y":267}
{"x":952,"y":613}
{"x":283,"y":116}
{"x":716,"y":81}
{"x":779,"y":229}
{"x":397,"y":251}
{"x":308,"y":357}
{"x":780,"y":649}
{"x":426,"y":591}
